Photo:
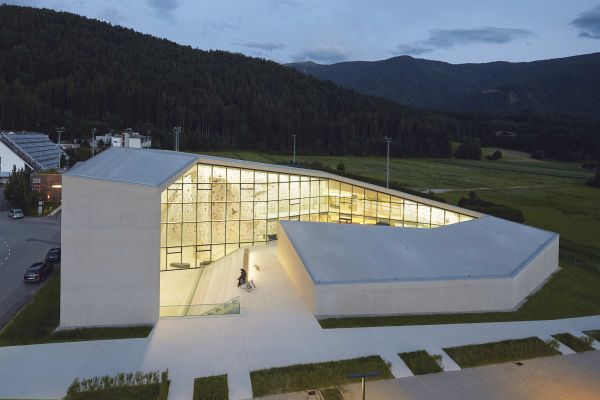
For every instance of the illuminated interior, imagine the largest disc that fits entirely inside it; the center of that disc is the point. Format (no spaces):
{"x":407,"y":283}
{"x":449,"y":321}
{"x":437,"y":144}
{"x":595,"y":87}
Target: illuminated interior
{"x":212,"y":210}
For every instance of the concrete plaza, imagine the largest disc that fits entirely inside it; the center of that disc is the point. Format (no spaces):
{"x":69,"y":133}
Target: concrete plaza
{"x":275,"y":328}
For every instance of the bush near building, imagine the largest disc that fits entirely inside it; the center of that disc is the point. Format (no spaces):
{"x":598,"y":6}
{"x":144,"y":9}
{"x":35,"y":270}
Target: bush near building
{"x":496,"y":155}
{"x":475,"y":203}
{"x":131,"y":386}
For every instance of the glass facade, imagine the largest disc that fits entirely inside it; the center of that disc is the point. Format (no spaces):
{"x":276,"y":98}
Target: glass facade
{"x":213,"y":210}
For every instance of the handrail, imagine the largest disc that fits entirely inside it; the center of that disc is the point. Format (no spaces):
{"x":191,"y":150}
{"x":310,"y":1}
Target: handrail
{"x":231,"y":306}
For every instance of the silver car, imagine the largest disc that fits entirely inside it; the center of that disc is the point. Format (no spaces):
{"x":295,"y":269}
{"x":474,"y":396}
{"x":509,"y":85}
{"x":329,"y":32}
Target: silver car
{"x":15,"y":213}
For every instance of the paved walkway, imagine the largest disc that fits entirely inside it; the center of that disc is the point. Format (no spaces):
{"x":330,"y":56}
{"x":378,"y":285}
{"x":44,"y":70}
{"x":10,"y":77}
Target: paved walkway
{"x":274,"y":329}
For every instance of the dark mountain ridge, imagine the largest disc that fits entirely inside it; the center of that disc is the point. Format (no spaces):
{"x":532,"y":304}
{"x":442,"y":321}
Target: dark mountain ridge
{"x":569,"y":85}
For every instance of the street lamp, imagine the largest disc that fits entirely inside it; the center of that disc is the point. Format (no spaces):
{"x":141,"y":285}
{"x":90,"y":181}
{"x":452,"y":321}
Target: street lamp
{"x":176,"y":132}
{"x":388,"y":140}
{"x":93,"y":142}
{"x":59,"y":131}
{"x":294,"y":158}
{"x":363,"y":375}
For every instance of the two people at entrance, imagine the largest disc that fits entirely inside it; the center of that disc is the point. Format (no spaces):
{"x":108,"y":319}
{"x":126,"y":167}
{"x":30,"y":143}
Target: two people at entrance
{"x":243,"y":277}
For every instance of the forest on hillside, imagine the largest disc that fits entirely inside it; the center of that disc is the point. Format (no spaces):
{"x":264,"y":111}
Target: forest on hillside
{"x":59,"y":69}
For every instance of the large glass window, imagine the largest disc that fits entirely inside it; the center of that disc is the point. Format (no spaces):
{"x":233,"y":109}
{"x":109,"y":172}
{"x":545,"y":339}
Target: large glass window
{"x":212,"y":210}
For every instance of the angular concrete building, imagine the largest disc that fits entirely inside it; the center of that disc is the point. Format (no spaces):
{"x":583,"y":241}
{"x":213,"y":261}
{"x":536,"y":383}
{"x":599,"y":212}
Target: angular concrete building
{"x":141,"y":227}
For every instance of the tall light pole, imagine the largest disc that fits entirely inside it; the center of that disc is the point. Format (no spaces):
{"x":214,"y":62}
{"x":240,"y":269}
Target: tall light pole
{"x":388,"y":140}
{"x":59,"y":131}
{"x":93,"y":142}
{"x":294,"y":158}
{"x":176,"y":132}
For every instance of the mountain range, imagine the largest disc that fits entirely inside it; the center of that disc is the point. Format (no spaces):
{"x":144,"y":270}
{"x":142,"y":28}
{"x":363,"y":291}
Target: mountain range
{"x":565,"y":85}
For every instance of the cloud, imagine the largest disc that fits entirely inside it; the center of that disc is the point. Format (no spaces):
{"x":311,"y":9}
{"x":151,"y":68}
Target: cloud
{"x":411,"y":50}
{"x":327,"y":54}
{"x":164,"y":8}
{"x":267,"y":46}
{"x":447,"y":38}
{"x":588,"y":23}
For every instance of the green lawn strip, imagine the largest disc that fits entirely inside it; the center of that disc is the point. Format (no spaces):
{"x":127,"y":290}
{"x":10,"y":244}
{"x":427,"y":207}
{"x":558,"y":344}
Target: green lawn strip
{"x":571,"y":292}
{"x":594,"y":334}
{"x":420,"y":362}
{"x":36,"y":322}
{"x":131,"y":386}
{"x":514,"y":167}
{"x":574,"y":343}
{"x":500,"y":352}
{"x":211,"y":388}
{"x":295,"y":378}
{"x":141,"y":392}
{"x":331,"y":394}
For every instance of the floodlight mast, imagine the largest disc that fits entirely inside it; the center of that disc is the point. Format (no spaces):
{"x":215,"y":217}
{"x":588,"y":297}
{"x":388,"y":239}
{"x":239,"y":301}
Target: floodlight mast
{"x":388,"y":140}
{"x":59,"y":131}
{"x":177,"y":132}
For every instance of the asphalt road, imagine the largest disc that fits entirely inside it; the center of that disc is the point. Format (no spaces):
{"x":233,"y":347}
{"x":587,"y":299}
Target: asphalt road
{"x":22,"y":243}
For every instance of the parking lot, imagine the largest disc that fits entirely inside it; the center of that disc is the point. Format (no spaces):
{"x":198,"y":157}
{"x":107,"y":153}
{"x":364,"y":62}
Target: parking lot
{"x":22,"y":243}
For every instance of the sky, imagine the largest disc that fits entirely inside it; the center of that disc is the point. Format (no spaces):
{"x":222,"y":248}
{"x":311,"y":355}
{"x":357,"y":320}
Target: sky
{"x":330,"y":31}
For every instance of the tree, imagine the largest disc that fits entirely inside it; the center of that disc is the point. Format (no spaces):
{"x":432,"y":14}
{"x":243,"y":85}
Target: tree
{"x":495,"y":155}
{"x":594,"y":181}
{"x":469,"y":151}
{"x":18,"y":192}
{"x":341,"y":167}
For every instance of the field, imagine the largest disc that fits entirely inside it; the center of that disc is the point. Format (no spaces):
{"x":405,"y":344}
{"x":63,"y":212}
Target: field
{"x":552,"y":196}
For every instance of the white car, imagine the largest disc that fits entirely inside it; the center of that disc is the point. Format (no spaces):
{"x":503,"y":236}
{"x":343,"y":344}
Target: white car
{"x":15,"y":213}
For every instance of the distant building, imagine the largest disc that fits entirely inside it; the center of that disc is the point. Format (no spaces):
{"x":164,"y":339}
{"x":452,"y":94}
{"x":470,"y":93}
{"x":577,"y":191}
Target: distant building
{"x":127,"y":138}
{"x":31,"y":150}
{"x":48,"y":185}
{"x":505,"y":134}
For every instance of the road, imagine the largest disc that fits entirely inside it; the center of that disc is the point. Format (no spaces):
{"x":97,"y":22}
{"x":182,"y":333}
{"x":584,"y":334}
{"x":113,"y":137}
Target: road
{"x":22,"y":242}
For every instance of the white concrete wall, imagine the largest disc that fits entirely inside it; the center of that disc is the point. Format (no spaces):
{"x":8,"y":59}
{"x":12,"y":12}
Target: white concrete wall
{"x":416,"y":297}
{"x":294,"y":267}
{"x":110,"y":253}
{"x":8,"y":158}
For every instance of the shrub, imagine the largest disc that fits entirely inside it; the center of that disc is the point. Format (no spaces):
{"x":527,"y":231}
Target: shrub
{"x":420,"y":362}
{"x":130,"y":386}
{"x":475,"y":203}
{"x":468,"y":151}
{"x":341,"y":167}
{"x":577,"y":344}
{"x":495,"y":155}
{"x":594,"y":181}
{"x":211,"y":388}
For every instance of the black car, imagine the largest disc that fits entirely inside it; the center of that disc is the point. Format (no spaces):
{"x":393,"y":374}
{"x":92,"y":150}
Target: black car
{"x":38,"y":272}
{"x":53,"y":256}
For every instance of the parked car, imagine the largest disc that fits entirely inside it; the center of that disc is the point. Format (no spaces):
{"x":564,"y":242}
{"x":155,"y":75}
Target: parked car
{"x":38,"y":272}
{"x":53,"y":255}
{"x":15,"y":213}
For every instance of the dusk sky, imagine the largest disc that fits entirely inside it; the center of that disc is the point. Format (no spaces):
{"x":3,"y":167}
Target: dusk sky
{"x":456,"y":31}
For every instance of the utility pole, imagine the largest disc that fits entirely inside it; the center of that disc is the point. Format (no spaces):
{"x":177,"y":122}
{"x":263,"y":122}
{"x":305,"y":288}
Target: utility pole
{"x":176,"y":132}
{"x":59,"y":131}
{"x":388,"y":140}
{"x":294,"y":158}
{"x":93,"y":142}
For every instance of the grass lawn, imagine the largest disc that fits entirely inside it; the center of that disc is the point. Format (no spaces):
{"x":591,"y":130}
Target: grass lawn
{"x":140,"y":392}
{"x":574,"y":343}
{"x":295,"y":378}
{"x":594,"y":334}
{"x":211,"y":388}
{"x":500,"y":352}
{"x":131,"y":386}
{"x":36,"y":322}
{"x":421,"y":363}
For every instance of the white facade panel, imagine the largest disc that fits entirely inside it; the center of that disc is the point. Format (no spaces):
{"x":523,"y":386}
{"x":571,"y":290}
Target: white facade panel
{"x":9,"y":160}
{"x":110,"y":253}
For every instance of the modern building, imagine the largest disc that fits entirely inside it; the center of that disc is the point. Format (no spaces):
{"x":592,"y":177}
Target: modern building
{"x":21,"y":150}
{"x":140,"y":225}
{"x":48,"y":185}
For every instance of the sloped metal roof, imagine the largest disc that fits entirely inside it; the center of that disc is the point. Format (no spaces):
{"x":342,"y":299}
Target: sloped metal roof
{"x":136,"y":166}
{"x":36,"y":149}
{"x":483,"y":248}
